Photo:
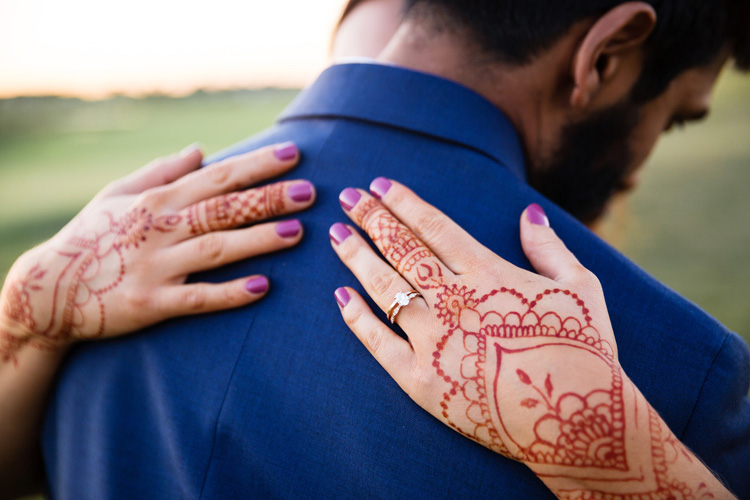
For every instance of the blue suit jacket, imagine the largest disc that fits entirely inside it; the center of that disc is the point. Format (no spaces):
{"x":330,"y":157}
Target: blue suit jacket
{"x":280,"y":400}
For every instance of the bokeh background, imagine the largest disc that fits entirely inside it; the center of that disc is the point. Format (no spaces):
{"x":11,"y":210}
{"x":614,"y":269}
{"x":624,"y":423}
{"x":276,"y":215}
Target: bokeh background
{"x":90,"y":90}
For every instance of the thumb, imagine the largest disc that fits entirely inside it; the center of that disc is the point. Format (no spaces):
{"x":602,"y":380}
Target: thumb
{"x":545,"y":250}
{"x":160,"y":172}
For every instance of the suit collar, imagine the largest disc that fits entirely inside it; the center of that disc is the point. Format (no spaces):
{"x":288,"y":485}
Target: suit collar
{"x":414,"y":102}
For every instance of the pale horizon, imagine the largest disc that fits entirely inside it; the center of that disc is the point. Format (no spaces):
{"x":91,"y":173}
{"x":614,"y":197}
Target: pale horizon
{"x":93,"y":49}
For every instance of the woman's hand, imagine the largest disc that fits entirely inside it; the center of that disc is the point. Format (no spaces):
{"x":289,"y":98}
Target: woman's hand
{"x":524,"y":364}
{"x":121,"y":264}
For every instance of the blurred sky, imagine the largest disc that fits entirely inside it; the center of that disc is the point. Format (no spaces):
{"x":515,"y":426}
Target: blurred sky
{"x":93,"y":48}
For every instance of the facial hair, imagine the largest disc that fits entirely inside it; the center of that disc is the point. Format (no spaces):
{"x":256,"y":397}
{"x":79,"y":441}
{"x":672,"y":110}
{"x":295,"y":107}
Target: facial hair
{"x":591,"y":164}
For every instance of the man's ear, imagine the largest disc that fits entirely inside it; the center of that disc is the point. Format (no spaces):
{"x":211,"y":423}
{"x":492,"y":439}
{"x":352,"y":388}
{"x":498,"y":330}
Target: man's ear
{"x":597,"y":59}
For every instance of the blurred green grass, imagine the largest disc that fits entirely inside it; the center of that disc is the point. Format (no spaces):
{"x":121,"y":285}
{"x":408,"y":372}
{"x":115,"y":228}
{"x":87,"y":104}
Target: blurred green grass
{"x":686,"y":224}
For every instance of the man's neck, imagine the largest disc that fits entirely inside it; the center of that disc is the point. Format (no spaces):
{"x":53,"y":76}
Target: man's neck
{"x":518,"y":91}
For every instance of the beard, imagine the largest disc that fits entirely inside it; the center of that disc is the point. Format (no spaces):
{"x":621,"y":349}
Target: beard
{"x":592,"y":163}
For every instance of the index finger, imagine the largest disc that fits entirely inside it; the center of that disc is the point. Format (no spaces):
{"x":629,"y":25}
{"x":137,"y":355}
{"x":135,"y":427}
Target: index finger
{"x":398,"y":244}
{"x":231,"y":174}
{"x":456,"y":248}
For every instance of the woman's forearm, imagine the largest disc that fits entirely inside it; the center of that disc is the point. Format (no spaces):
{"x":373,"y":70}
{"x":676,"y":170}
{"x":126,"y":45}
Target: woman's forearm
{"x":656,"y":464}
{"x":524,"y":364}
{"x":25,"y":382}
{"x":122,"y":264}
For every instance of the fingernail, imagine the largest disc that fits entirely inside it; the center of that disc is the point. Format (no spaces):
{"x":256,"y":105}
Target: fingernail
{"x":301,"y":192}
{"x":342,"y":297}
{"x":339,"y":232}
{"x":286,"y":151}
{"x":379,"y":187}
{"x":537,"y":216}
{"x":349,"y":198}
{"x":288,"y":229}
{"x":257,"y":285}
{"x":190,"y":149}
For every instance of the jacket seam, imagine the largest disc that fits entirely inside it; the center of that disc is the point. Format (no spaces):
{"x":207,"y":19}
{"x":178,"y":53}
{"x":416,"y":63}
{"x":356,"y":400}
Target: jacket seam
{"x":221,"y":408}
{"x":703,"y":385}
{"x":325,"y":143}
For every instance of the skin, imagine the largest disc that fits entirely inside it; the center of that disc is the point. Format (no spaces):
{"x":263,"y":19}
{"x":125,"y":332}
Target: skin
{"x":367,"y":29}
{"x":521,"y":363}
{"x":121,"y":265}
{"x":540,"y":100}
{"x":590,"y":70}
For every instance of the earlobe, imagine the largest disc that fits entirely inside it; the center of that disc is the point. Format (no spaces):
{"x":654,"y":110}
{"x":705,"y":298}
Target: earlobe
{"x":597,"y":59}
{"x":585,"y":88}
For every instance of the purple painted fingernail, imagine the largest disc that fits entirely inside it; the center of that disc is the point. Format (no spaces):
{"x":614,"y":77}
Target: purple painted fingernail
{"x":537,"y":216}
{"x":289,"y":228}
{"x":339,"y":232}
{"x":342,"y":297}
{"x":301,"y":192}
{"x":257,"y":285}
{"x":286,"y":151}
{"x":379,"y":187}
{"x":349,"y":198}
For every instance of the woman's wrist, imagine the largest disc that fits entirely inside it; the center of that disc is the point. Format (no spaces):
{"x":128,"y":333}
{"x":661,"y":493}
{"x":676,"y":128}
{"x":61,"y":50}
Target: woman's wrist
{"x":654,"y":461}
{"x":19,"y":316}
{"x":16,"y":338}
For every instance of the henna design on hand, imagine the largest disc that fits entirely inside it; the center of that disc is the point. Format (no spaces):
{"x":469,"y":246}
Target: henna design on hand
{"x":573,"y":427}
{"x":132,"y":228}
{"x":89,"y":267}
{"x":397,"y":243}
{"x":18,"y":309}
{"x":18,"y":305}
{"x":236,"y":209}
{"x":533,"y":379}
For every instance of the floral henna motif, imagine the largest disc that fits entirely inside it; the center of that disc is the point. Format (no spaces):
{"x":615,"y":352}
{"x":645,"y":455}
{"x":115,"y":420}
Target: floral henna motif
{"x":578,"y":431}
{"x":665,"y":488}
{"x":236,"y":209}
{"x":131,"y":229}
{"x":574,"y":427}
{"x":18,"y":309}
{"x":92,"y":267}
{"x":18,"y":304}
{"x":453,"y":300}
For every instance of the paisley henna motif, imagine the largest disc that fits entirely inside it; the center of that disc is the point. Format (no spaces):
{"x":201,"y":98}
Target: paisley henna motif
{"x":568,"y":429}
{"x":576,"y":427}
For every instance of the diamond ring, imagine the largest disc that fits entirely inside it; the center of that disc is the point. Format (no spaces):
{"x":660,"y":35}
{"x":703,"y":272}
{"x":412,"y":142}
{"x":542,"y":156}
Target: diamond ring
{"x":402,"y":300}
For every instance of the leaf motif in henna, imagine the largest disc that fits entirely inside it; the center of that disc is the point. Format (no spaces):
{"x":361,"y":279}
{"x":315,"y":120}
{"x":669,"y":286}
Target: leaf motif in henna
{"x":167,"y":223}
{"x":523,"y":377}
{"x":548,"y":385}
{"x":530,"y":403}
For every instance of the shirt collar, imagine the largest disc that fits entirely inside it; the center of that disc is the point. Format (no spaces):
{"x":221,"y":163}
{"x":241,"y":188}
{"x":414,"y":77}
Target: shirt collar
{"x":412,"y":101}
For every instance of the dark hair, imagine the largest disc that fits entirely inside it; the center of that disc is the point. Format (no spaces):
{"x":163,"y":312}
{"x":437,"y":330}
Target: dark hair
{"x":688,"y":34}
